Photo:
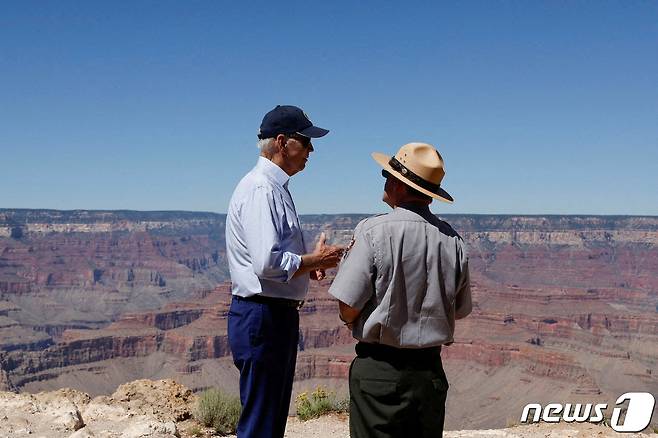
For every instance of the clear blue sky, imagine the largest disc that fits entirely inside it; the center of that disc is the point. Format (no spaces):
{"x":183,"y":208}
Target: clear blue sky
{"x":537,"y":107}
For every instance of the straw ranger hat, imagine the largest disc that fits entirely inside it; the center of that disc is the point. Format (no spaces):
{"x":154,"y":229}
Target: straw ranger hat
{"x":418,"y":165}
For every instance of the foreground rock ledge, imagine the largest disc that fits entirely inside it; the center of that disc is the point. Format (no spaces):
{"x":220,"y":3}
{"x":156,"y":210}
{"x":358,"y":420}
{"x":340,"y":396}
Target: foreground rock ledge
{"x":163,"y":409}
{"x":137,"y":409}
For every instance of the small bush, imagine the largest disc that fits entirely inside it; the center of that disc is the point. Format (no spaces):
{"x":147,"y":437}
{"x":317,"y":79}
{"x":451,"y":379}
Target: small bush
{"x":195,"y":431}
{"x":342,"y":405}
{"x":319,"y":403}
{"x":218,"y":410}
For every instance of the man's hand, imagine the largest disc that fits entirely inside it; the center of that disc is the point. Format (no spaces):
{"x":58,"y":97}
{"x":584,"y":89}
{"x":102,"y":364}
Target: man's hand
{"x":328,"y":256}
{"x":323,"y":257}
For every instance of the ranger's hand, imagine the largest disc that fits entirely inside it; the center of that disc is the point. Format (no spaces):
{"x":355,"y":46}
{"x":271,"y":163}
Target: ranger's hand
{"x":318,"y":274}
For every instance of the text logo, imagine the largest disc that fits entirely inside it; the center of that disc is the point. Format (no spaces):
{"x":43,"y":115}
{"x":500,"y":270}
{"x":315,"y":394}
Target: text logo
{"x":638,"y":413}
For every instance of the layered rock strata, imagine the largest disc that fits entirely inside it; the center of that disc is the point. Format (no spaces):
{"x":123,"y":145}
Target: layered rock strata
{"x":565,"y":308}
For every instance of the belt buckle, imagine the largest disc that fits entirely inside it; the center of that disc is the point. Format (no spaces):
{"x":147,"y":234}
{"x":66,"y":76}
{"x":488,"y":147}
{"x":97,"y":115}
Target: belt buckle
{"x":300,"y":304}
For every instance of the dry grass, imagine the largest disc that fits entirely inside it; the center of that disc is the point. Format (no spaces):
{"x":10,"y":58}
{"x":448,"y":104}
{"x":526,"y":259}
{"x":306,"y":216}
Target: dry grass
{"x":320,"y":402}
{"x":218,"y":410}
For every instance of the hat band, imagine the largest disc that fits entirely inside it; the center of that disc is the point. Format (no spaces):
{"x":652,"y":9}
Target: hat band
{"x":399,"y":167}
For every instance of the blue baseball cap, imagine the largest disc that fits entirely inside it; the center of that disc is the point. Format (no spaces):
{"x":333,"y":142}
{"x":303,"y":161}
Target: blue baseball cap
{"x":288,"y":119}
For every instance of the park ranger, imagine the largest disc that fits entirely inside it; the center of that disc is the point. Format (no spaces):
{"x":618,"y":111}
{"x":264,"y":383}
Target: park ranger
{"x":400,"y":288}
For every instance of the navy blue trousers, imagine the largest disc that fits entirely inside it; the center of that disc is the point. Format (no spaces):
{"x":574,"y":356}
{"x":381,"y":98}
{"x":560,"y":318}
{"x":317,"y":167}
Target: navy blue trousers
{"x":263,"y":340}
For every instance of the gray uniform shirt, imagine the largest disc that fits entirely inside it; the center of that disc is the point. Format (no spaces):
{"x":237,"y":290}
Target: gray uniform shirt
{"x":408,"y":271}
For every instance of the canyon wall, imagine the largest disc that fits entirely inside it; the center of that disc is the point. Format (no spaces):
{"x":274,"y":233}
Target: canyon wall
{"x":565,"y":307}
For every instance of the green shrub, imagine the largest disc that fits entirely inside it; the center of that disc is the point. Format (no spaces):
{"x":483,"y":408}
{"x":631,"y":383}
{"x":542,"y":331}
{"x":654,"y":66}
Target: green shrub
{"x":195,"y":431}
{"x":319,"y":403}
{"x":218,"y":410}
{"x":342,"y":405}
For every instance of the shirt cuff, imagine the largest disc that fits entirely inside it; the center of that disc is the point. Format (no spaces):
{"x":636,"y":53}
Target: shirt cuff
{"x":292,"y":264}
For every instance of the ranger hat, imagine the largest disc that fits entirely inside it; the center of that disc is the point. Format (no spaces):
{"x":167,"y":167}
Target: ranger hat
{"x":288,"y":119}
{"x":418,"y":165}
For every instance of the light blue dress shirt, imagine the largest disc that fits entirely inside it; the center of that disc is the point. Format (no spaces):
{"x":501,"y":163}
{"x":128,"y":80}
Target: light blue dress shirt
{"x":264,"y":241}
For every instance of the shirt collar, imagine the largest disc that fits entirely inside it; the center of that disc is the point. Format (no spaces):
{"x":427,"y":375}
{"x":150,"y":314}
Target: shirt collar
{"x":421,"y":210}
{"x":271,"y":170}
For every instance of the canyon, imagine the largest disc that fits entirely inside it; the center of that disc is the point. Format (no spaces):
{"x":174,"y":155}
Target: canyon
{"x":565,"y":308}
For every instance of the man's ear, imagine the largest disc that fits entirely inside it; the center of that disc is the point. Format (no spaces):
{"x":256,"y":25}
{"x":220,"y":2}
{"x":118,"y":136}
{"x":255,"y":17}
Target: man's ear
{"x":280,"y":141}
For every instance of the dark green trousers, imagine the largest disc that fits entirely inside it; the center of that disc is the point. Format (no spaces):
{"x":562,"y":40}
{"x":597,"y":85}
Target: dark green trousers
{"x":397,"y":393}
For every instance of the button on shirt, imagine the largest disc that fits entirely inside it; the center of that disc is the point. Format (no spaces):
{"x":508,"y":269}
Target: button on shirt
{"x":408,"y":271}
{"x":264,"y":241}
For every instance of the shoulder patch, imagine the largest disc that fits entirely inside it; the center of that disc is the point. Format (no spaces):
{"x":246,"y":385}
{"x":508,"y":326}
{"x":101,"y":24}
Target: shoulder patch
{"x":348,"y":247}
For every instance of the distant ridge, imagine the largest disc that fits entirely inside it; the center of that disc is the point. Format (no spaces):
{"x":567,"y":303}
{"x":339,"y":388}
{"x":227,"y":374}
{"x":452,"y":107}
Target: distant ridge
{"x":11,"y":216}
{"x":461,"y":222}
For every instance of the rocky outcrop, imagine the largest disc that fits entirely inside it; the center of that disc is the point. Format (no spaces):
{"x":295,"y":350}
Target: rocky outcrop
{"x":136,"y":409}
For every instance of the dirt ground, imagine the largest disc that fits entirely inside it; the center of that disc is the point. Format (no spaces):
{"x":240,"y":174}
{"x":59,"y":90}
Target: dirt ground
{"x":336,"y":426}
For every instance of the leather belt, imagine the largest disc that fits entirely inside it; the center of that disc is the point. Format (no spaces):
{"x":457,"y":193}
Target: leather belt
{"x":296,"y":304}
{"x":386,"y":352}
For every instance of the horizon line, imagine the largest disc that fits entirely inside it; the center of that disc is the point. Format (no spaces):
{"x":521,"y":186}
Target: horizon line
{"x":4,"y":209}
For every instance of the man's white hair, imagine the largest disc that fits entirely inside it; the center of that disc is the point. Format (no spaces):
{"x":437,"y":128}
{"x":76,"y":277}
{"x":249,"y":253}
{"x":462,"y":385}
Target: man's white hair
{"x":267,"y":147}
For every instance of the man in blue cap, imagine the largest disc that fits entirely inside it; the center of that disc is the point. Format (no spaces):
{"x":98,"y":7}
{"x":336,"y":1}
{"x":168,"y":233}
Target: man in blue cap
{"x":270,"y":271}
